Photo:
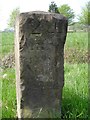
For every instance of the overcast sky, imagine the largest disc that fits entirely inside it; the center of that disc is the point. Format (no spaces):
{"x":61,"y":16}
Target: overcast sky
{"x":6,"y":7}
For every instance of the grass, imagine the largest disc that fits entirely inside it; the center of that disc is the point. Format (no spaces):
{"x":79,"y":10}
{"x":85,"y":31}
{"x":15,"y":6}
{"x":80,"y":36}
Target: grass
{"x":7,"y":42}
{"x":8,"y":93}
{"x":75,"y":92}
{"x":77,"y":40}
{"x":76,"y":47}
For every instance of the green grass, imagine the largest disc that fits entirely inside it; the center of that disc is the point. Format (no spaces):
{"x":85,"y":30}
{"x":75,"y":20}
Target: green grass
{"x":76,"y":47}
{"x":77,"y":40}
{"x":8,"y":93}
{"x":0,"y":93}
{"x":74,"y":41}
{"x":7,"y":43}
{"x":75,"y":92}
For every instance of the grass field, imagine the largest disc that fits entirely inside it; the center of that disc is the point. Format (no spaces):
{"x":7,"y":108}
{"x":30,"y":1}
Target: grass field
{"x":75,"y":92}
{"x":7,"y":43}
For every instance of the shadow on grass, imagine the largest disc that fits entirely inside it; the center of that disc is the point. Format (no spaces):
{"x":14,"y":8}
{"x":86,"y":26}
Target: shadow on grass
{"x":74,"y":106}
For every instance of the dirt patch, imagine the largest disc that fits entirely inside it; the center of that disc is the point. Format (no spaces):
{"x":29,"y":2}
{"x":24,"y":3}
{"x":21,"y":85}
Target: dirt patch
{"x":76,"y":56}
{"x":8,"y":61}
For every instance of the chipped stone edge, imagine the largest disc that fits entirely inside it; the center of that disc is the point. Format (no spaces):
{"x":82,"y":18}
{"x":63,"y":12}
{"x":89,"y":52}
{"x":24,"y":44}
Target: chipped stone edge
{"x":17,"y":64}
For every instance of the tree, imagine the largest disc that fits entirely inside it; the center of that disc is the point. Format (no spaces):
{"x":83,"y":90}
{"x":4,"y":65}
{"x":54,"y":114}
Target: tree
{"x":13,"y":16}
{"x":67,"y":12}
{"x":84,"y":18}
{"x":53,"y":7}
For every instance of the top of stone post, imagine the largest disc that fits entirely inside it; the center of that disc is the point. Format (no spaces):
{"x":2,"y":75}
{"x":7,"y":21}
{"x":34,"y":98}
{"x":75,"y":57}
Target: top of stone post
{"x":36,"y":21}
{"x":58,"y":16}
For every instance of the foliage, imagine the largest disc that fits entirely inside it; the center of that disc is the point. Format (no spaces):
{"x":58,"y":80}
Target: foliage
{"x":84,"y":18}
{"x":53,"y":7}
{"x":13,"y":16}
{"x":67,"y":12}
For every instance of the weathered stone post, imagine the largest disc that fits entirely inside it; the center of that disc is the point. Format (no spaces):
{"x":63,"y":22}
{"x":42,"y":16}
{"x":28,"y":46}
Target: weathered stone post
{"x":39,"y":46}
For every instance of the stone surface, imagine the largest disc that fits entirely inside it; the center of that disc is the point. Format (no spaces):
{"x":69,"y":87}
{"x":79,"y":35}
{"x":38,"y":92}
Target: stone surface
{"x":39,"y":46}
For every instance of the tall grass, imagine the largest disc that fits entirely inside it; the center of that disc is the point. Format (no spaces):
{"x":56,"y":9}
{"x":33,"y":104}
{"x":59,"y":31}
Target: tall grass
{"x":7,"y":42}
{"x":8,"y":94}
{"x":77,"y":40}
{"x":76,"y":47}
{"x":75,"y":92}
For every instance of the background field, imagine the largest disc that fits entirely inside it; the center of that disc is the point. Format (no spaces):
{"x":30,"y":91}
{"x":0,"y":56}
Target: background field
{"x":75,"y":92}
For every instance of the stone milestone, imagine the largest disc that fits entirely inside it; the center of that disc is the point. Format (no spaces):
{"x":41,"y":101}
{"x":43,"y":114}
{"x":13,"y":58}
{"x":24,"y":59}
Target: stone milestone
{"x":39,"y":59}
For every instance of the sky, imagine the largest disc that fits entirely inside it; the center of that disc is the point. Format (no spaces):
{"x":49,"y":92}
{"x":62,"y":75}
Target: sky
{"x":7,"y":6}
